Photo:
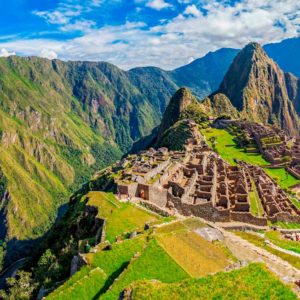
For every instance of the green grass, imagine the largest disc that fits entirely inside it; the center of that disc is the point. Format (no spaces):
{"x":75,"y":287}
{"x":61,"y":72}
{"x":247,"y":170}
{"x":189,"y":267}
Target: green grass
{"x":260,"y":242}
{"x":120,"y":217}
{"x":253,"y":282}
{"x":228,"y":149}
{"x":285,"y":180}
{"x":111,"y":262}
{"x":256,"y":207}
{"x":154,"y":263}
{"x":275,"y":238}
{"x":296,"y":202}
{"x":84,"y":289}
{"x":287,"y":225}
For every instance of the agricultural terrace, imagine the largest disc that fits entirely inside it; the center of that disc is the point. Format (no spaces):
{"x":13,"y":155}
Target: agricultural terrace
{"x":252,"y":282}
{"x":194,"y":254}
{"x":276,"y":238}
{"x":121,"y":217}
{"x":228,"y":149}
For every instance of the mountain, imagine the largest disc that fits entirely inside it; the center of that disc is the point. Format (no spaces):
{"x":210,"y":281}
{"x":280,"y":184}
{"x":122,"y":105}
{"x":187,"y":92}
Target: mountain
{"x":59,"y":123}
{"x":258,"y":88}
{"x":286,"y":54}
{"x":203,"y":75}
{"x":178,"y":103}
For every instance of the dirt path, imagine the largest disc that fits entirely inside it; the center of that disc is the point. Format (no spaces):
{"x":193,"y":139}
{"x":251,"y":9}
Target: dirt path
{"x":246,"y":251}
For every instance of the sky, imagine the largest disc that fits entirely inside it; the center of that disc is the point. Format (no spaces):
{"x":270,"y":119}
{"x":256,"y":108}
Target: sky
{"x":132,"y":33}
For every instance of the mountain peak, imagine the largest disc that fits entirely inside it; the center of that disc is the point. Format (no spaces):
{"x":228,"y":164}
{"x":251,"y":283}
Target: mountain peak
{"x":178,"y":103}
{"x":257,"y":87}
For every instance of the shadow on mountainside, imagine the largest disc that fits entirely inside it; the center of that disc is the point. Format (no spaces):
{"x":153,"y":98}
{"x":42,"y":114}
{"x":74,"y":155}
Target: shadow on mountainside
{"x":17,"y":251}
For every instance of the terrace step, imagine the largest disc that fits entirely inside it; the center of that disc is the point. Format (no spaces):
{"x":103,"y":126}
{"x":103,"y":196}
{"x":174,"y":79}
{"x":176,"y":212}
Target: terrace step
{"x":84,"y":288}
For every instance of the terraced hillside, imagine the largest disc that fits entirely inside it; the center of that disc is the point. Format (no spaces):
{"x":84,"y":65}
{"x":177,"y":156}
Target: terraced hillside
{"x":165,"y":261}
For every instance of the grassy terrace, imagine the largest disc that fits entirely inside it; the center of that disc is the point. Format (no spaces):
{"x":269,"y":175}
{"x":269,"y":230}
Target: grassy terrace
{"x":275,"y":238}
{"x":284,"y":179}
{"x":252,"y":282}
{"x":120,"y":217}
{"x":260,"y":242}
{"x":228,"y":149}
{"x":256,"y":207}
{"x":154,"y":263}
{"x":194,"y":254}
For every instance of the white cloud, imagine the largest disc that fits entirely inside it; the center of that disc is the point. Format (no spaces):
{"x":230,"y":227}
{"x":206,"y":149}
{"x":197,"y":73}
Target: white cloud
{"x":192,"y":10}
{"x":5,"y":53}
{"x":47,"y":53}
{"x":158,"y":4}
{"x":175,"y":41}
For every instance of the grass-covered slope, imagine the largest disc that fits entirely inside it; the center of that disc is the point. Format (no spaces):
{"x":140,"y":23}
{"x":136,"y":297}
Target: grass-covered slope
{"x":252,"y":282}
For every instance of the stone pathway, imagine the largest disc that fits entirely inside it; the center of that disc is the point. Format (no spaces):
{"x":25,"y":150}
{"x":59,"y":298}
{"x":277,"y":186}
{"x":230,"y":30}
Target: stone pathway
{"x":244,"y":250}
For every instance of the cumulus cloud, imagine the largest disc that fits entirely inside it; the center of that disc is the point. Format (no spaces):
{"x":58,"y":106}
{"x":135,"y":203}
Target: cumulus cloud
{"x":191,"y":33}
{"x":158,"y":4}
{"x":47,"y":53}
{"x":5,"y":53}
{"x":192,"y":10}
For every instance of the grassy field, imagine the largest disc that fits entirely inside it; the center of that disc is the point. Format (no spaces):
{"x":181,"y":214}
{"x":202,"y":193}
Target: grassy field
{"x":196,"y":255}
{"x":253,"y":282}
{"x":275,"y":238}
{"x":120,"y":217}
{"x":285,"y":180}
{"x":260,"y":242}
{"x":154,"y":263}
{"x":228,"y":149}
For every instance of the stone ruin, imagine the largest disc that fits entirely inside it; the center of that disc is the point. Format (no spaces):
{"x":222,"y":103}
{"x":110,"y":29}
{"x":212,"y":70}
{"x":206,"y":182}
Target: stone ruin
{"x":199,"y":182}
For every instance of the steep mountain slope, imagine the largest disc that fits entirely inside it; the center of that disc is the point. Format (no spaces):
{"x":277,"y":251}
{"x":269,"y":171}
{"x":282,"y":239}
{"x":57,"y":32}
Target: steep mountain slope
{"x":257,"y":87}
{"x":205,"y":74}
{"x":176,"y":127}
{"x":59,"y":122}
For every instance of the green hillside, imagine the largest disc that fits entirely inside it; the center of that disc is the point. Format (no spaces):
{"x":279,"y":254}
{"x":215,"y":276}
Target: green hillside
{"x":59,"y":123}
{"x":252,"y":282}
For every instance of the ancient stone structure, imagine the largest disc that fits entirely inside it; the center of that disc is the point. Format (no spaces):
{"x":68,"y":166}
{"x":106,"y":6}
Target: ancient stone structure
{"x":199,"y":182}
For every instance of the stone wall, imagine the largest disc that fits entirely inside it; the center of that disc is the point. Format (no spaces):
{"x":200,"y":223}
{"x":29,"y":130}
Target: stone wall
{"x":152,"y":173}
{"x":294,"y":173}
{"x":284,"y":217}
{"x":203,"y":210}
{"x":246,"y":217}
{"x":155,"y":208}
{"x":158,"y":196}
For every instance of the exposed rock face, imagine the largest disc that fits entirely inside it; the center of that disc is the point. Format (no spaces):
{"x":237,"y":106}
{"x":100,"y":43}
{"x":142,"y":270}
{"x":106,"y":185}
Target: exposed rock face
{"x":257,"y":87}
{"x":293,"y":89}
{"x":219,"y":105}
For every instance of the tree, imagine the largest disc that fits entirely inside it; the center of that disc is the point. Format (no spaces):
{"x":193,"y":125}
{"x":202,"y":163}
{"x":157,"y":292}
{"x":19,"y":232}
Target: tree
{"x":20,"y":287}
{"x":48,"y":268}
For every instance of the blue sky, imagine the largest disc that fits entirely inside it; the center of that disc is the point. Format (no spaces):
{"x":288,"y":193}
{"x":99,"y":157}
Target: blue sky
{"x":164,"y":33}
